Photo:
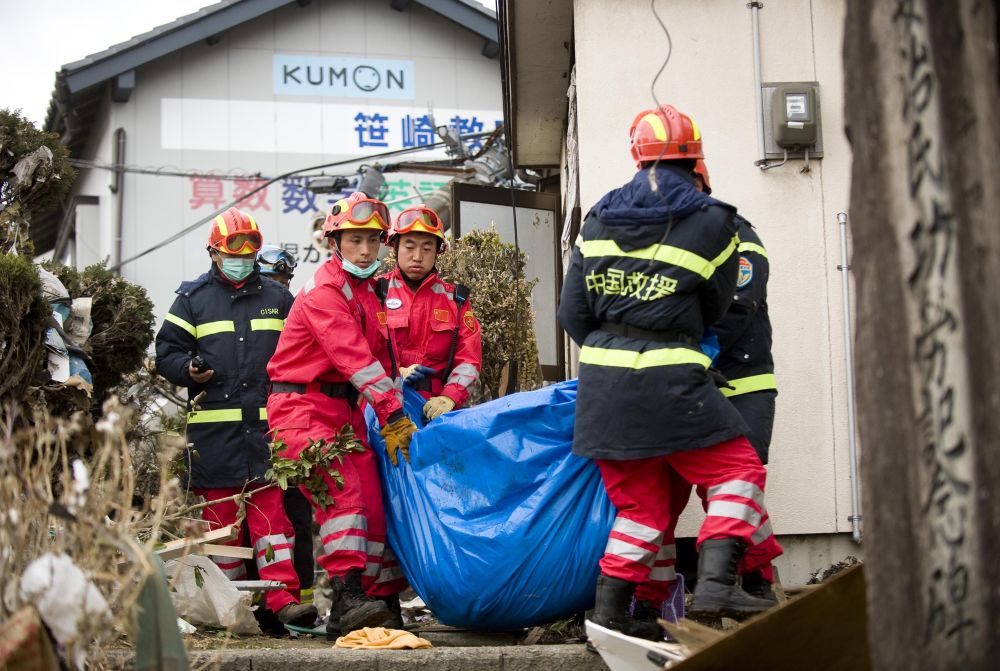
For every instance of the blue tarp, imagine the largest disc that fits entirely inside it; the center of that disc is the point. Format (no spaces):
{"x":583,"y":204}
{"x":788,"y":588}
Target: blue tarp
{"x":495,"y":522}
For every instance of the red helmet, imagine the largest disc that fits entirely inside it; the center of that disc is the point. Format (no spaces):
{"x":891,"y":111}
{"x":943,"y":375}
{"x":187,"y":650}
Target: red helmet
{"x":357,"y":211}
{"x":235,"y":232}
{"x":419,"y":219}
{"x":701,"y":170}
{"x":664,"y":134}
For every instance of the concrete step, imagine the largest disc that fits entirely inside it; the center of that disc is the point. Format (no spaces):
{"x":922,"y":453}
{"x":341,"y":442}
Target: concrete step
{"x":569,"y":657}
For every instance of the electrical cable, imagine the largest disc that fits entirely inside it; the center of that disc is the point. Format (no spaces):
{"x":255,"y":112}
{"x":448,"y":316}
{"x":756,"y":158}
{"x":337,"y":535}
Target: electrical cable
{"x":266,"y":183}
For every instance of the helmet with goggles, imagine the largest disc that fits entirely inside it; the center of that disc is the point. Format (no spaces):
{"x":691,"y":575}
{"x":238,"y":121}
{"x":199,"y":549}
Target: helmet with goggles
{"x":419,"y":219}
{"x":235,"y":232}
{"x":357,"y":211}
{"x":274,"y":260}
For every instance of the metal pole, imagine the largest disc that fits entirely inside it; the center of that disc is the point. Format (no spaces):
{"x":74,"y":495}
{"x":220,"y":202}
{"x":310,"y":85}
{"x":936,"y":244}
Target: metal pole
{"x":757,"y":83}
{"x":844,"y":268}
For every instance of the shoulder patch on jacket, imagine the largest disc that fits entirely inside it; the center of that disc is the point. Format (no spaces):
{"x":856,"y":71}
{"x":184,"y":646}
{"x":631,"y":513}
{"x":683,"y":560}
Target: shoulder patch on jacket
{"x":470,"y":321}
{"x":746,"y":273}
{"x":188,"y":288}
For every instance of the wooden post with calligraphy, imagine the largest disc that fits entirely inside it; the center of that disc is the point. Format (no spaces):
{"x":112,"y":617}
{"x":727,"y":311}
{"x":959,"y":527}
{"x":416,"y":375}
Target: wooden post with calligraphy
{"x":923,"y":115}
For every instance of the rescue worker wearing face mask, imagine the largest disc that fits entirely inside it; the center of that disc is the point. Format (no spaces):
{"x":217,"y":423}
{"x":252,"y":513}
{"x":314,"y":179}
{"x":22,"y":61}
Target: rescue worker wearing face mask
{"x":654,"y":265}
{"x":434,"y":333}
{"x":331,"y":355}
{"x":216,"y":340}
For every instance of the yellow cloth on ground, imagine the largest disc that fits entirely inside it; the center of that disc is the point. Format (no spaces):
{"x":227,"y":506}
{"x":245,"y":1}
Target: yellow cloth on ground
{"x":380,"y":638}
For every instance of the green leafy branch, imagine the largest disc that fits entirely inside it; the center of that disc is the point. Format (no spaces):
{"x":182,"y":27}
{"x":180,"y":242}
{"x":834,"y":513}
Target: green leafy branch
{"x":319,"y":457}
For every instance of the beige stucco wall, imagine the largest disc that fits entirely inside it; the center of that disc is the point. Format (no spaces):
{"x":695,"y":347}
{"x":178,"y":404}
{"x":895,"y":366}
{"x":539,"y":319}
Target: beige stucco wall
{"x":619,"y":48}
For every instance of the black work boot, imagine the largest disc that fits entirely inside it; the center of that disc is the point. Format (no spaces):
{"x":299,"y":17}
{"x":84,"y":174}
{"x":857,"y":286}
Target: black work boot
{"x":352,"y":608}
{"x":756,"y":585}
{"x":395,"y":620}
{"x":614,"y":597}
{"x":717,"y":592}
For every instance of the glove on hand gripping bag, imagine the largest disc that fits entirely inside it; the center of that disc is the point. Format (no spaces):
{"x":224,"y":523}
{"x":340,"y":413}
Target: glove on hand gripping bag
{"x":495,"y":522}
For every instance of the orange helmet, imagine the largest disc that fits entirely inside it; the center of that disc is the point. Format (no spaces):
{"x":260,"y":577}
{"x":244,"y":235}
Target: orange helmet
{"x":235,"y":232}
{"x":419,"y":219}
{"x":701,"y":170}
{"x":356,"y":211}
{"x":664,"y":134}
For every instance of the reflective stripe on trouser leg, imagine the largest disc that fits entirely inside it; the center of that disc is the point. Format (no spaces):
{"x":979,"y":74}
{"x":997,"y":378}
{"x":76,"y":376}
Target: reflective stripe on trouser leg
{"x":661,"y":581}
{"x":223,"y":514}
{"x":733,"y":479}
{"x":272,"y":535}
{"x":390,"y":579}
{"x":639,"y":490}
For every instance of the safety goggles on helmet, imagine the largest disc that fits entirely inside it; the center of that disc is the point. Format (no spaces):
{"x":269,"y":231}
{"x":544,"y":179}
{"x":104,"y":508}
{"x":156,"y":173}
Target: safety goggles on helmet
{"x":243,"y":242}
{"x":418,"y":220}
{"x":275,"y":260}
{"x":363,"y":210}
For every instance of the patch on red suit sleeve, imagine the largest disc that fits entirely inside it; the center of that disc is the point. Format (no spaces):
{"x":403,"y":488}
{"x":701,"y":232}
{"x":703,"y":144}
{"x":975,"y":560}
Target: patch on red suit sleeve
{"x":381,"y":318}
{"x":442,"y":315}
{"x":470,"y":321}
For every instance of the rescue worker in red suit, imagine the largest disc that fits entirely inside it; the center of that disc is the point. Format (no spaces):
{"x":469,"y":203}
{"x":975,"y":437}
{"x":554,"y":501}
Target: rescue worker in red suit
{"x":216,"y":340}
{"x":434,"y":334}
{"x":654,"y":265}
{"x":330,"y":354}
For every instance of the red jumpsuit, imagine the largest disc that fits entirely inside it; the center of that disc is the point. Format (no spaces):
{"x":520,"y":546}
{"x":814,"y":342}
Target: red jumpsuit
{"x":332,"y":337}
{"x":422,"y":324}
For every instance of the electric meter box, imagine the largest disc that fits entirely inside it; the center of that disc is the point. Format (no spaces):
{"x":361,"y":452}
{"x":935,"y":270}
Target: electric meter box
{"x":794,"y":115}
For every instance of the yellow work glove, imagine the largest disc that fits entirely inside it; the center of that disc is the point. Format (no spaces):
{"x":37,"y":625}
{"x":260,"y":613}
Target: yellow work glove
{"x":405,"y":371}
{"x":437,"y":406}
{"x":397,"y":438}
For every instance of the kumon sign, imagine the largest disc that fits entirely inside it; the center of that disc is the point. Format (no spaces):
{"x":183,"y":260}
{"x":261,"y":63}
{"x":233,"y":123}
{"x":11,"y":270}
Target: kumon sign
{"x":344,"y":77}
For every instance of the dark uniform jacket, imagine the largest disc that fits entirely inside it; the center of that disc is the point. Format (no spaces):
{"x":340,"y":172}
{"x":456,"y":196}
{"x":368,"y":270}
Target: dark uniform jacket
{"x":235,"y":331}
{"x":745,"y":330}
{"x":664,"y":261}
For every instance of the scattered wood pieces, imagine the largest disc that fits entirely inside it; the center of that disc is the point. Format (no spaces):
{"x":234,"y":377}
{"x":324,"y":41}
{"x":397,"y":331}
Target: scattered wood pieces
{"x":183,"y":546}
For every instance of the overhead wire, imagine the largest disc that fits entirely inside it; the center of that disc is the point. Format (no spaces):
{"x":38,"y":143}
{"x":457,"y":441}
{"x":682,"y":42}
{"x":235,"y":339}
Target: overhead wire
{"x":264,"y":183}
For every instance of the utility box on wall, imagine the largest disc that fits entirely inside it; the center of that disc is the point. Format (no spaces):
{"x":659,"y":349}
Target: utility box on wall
{"x":792,"y":119}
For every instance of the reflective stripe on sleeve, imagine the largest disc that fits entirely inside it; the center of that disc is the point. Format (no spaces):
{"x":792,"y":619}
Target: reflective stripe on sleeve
{"x":746,"y":385}
{"x":211,"y":328}
{"x":752,"y":247}
{"x":262,"y":414}
{"x":464,"y":375}
{"x":267,"y":324}
{"x":623,"y":358}
{"x":177,"y":321}
{"x":726,"y":253}
{"x":367,"y":375}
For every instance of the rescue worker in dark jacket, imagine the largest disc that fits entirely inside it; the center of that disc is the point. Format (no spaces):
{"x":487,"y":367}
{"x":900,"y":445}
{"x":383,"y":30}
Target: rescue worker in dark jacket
{"x":654,"y":265}
{"x":744,"y":335}
{"x":216,"y":340}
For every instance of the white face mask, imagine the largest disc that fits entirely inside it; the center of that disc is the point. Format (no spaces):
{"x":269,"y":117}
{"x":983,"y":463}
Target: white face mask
{"x":363,"y":273}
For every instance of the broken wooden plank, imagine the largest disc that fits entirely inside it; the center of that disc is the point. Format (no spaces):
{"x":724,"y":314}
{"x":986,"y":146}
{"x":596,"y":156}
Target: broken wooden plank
{"x":233,"y":551}
{"x":258,"y":585}
{"x":182,"y":546}
{"x":825,"y":629}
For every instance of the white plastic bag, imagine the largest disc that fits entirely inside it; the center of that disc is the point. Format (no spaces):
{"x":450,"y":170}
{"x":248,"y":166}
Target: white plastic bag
{"x":202,"y":594}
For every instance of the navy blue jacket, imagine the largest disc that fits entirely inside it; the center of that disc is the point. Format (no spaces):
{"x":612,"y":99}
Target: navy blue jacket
{"x":745,"y":330}
{"x":235,"y":331}
{"x":664,"y":261}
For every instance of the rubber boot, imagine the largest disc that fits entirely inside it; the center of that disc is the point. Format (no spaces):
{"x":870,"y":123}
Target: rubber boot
{"x":395,"y":620}
{"x":353,"y":609}
{"x":717,"y":592}
{"x":756,"y":585}
{"x":614,"y":597}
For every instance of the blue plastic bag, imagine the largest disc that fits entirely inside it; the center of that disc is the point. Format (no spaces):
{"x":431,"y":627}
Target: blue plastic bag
{"x":495,"y":522}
